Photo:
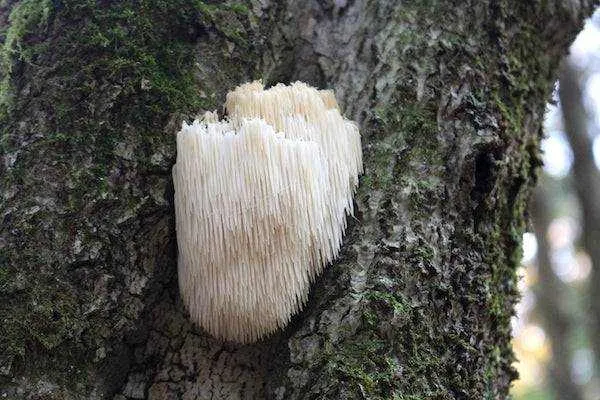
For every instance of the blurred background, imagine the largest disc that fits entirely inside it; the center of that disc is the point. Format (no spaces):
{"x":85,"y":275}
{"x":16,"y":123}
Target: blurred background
{"x":557,"y":326}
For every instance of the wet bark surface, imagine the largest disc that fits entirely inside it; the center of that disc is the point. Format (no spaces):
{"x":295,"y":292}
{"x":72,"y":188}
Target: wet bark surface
{"x":449,"y":97}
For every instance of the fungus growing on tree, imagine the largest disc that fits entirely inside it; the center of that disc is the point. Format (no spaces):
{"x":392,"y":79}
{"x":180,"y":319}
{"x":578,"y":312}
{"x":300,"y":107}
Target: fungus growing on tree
{"x":261,"y":201}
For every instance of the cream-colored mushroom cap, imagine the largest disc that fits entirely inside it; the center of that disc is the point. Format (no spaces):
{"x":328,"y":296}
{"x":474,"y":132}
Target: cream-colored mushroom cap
{"x":261,"y":202}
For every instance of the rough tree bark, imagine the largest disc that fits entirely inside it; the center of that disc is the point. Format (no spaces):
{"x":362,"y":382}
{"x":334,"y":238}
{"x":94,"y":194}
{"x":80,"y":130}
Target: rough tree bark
{"x":449,"y":96}
{"x":587,"y":184}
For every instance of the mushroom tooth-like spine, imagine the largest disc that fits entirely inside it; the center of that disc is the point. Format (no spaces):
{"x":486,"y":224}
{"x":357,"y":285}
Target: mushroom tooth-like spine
{"x":261,"y":202}
{"x":338,"y":137}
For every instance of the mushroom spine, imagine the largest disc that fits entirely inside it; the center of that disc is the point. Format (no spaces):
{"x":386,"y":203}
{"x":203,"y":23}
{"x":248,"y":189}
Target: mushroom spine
{"x":261,"y":200}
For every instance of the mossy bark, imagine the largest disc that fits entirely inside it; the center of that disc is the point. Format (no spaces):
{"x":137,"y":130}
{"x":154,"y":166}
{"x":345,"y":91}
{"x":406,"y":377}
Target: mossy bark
{"x":449,"y":97}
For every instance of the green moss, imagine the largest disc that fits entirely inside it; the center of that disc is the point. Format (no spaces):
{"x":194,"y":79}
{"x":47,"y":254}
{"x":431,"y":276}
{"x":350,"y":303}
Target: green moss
{"x":365,"y":365}
{"x":223,"y":18}
{"x":131,"y":44}
{"x":523,"y":78}
{"x":392,"y":300}
{"x":27,"y":18}
{"x":410,"y":137}
{"x":391,"y":355}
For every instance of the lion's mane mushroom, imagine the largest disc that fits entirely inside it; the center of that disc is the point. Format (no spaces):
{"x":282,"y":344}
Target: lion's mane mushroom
{"x":261,"y":202}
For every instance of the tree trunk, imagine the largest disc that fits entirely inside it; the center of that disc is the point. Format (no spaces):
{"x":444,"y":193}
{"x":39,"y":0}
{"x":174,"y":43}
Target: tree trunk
{"x":587,"y":185}
{"x":449,"y":98}
{"x":552,"y":303}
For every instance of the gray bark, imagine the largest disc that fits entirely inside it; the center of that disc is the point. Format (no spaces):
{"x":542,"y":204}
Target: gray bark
{"x":449,"y":97}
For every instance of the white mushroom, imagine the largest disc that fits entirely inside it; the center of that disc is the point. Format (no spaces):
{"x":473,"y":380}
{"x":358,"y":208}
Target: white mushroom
{"x":260,"y":204}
